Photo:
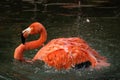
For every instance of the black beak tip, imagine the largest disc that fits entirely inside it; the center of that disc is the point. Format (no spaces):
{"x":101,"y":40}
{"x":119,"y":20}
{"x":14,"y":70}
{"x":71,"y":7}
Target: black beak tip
{"x":22,"y":38}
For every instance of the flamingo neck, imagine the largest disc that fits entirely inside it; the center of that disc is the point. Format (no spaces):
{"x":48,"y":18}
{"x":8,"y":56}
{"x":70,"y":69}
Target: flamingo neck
{"x":18,"y":54}
{"x":37,"y":43}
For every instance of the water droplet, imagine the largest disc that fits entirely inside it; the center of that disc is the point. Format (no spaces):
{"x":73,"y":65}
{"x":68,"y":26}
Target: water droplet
{"x":87,"y":20}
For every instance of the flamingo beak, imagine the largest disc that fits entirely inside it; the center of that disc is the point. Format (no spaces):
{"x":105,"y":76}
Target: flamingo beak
{"x":25,"y":34}
{"x":22,"y":38}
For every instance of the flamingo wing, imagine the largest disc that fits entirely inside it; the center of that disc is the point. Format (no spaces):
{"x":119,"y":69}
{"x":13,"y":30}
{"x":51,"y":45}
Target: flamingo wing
{"x":66,"y":52}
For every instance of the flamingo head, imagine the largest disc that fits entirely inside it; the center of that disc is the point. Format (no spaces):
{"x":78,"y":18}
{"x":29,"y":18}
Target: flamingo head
{"x":34,"y":28}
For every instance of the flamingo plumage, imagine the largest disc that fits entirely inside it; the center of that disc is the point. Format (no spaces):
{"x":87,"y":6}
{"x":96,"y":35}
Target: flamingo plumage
{"x":60,"y":53}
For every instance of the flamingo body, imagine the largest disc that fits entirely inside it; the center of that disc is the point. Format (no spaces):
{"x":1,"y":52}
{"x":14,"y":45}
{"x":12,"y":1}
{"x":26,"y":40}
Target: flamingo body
{"x":65,"y":52}
{"x":61,"y":53}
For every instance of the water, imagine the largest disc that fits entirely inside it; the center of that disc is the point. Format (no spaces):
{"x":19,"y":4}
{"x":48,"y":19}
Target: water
{"x":102,"y":33}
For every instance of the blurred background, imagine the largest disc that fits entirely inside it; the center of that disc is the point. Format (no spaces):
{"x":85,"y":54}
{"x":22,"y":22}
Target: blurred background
{"x":96,"y":21}
{"x":92,"y":7}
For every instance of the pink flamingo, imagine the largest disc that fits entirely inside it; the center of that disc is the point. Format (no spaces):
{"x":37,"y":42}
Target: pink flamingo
{"x":61,"y":53}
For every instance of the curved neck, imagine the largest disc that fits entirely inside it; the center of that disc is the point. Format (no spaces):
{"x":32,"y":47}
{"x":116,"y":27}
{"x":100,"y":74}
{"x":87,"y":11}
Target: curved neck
{"x":18,"y":54}
{"x":37,"y":43}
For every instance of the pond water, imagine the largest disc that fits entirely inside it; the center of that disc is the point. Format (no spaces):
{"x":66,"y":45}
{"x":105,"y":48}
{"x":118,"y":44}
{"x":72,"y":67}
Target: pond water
{"x":101,"y":33}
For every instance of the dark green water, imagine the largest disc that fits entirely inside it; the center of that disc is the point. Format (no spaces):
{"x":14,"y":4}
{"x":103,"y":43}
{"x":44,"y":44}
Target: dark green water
{"x":102,"y":33}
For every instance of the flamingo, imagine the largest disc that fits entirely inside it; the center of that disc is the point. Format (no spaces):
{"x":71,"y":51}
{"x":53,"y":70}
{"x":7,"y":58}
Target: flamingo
{"x":60,"y":53}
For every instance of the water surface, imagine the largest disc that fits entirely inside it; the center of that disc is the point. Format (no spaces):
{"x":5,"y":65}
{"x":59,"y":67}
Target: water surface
{"x":101,"y":33}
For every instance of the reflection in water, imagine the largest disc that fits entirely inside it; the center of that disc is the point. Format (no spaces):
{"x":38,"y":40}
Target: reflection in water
{"x":101,"y":33}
